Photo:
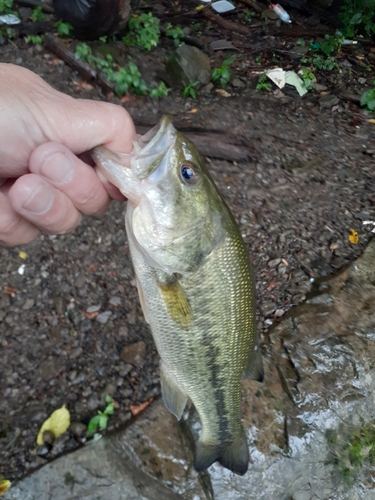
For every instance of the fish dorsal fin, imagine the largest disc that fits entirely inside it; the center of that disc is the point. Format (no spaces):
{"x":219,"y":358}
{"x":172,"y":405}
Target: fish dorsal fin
{"x":255,"y":370}
{"x":176,"y":302}
{"x":174,"y":399}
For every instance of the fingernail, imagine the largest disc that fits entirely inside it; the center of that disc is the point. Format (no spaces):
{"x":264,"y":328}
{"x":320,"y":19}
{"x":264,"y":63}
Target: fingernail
{"x":39,"y":200}
{"x":58,"y":168}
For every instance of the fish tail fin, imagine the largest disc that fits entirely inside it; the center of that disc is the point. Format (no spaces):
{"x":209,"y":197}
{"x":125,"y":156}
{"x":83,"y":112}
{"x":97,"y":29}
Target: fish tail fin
{"x":233,"y":455}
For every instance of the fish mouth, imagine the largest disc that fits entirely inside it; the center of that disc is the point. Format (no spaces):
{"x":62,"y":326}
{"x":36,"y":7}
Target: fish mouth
{"x":151,"y":148}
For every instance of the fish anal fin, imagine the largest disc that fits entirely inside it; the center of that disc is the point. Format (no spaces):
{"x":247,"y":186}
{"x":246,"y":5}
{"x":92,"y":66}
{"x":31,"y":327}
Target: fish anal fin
{"x":233,"y":455}
{"x":177,"y":303}
{"x":174,"y":399}
{"x":255,"y":370}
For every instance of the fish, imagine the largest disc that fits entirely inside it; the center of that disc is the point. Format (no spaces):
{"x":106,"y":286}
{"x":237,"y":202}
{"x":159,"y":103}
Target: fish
{"x":195,"y":284}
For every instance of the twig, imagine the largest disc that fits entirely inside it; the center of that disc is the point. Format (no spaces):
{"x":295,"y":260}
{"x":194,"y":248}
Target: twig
{"x":229,"y":25}
{"x":254,"y":5}
{"x":83,"y":69}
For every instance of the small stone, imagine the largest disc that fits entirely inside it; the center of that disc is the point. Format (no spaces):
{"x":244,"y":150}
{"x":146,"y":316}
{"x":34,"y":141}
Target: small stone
{"x":319,"y":87}
{"x":93,"y":402}
{"x":134,"y":354}
{"x":238,"y":83}
{"x":273,"y":262}
{"x":60,"y":305}
{"x":75,"y":353}
{"x":92,"y":309}
{"x":80,"y":281}
{"x":103,"y":317}
{"x":29,"y":304}
{"x":362,"y":81}
{"x":328,"y":101}
{"x":278,"y":313}
{"x":187,"y":65}
{"x":78,"y":429}
{"x":115,"y":301}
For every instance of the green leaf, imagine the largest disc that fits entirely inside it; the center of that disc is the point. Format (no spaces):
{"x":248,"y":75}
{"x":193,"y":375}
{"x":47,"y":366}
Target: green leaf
{"x":103,"y":421}
{"x":110,"y":409}
{"x":93,"y":424}
{"x":356,"y":19}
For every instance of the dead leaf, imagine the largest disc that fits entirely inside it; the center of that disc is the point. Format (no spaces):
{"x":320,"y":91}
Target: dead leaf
{"x":90,"y":315}
{"x":138,"y":408}
{"x":57,"y":423}
{"x":271,"y":285}
{"x":5,"y":484}
{"x":353,"y":236}
{"x":10,"y":290}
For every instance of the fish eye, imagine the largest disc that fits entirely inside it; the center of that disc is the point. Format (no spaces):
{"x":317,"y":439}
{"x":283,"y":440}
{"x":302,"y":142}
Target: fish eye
{"x":189,"y":173}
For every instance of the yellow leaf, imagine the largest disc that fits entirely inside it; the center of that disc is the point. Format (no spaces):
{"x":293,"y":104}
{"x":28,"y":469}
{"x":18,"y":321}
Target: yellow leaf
{"x":22,"y":255}
{"x":353,"y":236}
{"x":5,"y":484}
{"x":57,"y":423}
{"x":371,"y":120}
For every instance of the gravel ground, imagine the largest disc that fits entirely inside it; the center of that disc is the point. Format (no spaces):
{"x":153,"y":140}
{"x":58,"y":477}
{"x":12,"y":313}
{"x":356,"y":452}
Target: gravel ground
{"x":69,"y":311}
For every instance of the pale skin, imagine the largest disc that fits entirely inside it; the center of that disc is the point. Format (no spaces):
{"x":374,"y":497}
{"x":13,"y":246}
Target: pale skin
{"x":45,"y":186}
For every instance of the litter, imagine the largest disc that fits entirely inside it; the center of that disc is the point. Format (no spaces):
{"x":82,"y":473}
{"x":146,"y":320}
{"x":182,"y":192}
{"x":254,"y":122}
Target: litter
{"x":282,"y":13}
{"x":281,"y":78}
{"x":10,"y":19}
{"x":222,"y":6}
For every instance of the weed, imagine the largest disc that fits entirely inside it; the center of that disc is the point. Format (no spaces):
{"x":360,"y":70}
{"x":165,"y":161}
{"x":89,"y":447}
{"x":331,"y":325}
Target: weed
{"x":35,"y":39}
{"x":144,"y":31}
{"x":262,"y":84}
{"x":6,"y":7}
{"x":176,"y":33}
{"x":300,"y":42}
{"x":63,"y":29}
{"x":357,"y":16}
{"x":223,"y":73}
{"x":196,"y":27}
{"x":368,"y":99}
{"x":258,"y":59}
{"x":37,"y":14}
{"x":190,"y":90}
{"x":100,"y":421}
{"x":321,"y":62}
{"x":103,"y":39}
{"x":308,"y":77}
{"x":248,"y":15}
{"x":126,"y":78}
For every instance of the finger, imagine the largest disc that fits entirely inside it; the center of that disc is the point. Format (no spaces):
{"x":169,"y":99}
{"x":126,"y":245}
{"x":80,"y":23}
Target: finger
{"x":14,"y":229}
{"x":46,"y":207}
{"x":70,"y":175}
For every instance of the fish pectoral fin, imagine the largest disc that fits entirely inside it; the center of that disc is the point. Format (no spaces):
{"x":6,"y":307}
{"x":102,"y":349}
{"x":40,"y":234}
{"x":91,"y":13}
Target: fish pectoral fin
{"x":174,"y":399}
{"x":233,"y":455}
{"x":255,"y":370}
{"x":177,"y":303}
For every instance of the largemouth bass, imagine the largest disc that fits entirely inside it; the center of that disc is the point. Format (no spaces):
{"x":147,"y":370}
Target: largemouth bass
{"x":195,"y":285}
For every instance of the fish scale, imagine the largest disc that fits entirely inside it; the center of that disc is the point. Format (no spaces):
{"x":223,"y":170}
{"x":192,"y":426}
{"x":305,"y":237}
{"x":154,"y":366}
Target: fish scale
{"x":196,"y":287}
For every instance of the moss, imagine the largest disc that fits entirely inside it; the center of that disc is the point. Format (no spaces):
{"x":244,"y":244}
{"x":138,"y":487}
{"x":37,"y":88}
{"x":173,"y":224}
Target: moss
{"x":352,"y":449}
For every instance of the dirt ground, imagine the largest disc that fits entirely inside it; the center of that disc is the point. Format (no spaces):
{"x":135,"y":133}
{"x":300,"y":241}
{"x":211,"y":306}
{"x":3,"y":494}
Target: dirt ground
{"x":309,"y":182}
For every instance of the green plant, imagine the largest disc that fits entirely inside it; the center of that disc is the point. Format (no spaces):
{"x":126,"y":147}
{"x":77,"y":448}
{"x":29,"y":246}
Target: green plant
{"x":368,"y":99}
{"x":34,"y":39}
{"x":223,"y":73}
{"x":190,"y":90}
{"x":308,"y":77}
{"x":196,"y":28}
{"x":262,"y":84}
{"x":321,"y":62}
{"x":63,"y":29}
{"x":258,"y":59}
{"x":37,"y":14}
{"x":300,"y":42}
{"x":357,"y":16}
{"x":126,"y":78}
{"x":103,"y":39}
{"x":176,"y":33}
{"x":248,"y":15}
{"x":6,"y":7}
{"x":143,"y":31}
{"x":100,"y":421}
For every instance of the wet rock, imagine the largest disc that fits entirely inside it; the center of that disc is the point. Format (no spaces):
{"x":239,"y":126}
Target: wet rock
{"x":134,"y":354}
{"x":188,"y":65}
{"x":100,"y":470}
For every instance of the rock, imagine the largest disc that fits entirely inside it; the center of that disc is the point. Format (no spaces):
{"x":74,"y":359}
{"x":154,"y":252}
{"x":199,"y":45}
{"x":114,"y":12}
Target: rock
{"x":115,"y":301}
{"x":100,"y":470}
{"x":78,"y":429}
{"x":29,"y":304}
{"x":328,"y":101}
{"x":238,"y":83}
{"x":134,"y":354}
{"x":187,"y":65}
{"x":103,"y":317}
{"x":319,"y":87}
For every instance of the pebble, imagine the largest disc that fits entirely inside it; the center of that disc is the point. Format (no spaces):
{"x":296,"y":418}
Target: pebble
{"x":103,"y":317}
{"x":77,"y":428}
{"x":29,"y":304}
{"x":115,"y":301}
{"x":134,"y":354}
{"x":75,"y":353}
{"x":92,"y":309}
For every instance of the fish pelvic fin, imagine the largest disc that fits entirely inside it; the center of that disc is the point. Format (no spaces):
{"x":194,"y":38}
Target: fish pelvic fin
{"x":177,"y":303}
{"x":233,"y":455}
{"x":174,"y":399}
{"x":255,"y":370}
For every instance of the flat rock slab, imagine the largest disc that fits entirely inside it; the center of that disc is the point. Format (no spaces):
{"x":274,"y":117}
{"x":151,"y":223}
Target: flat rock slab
{"x":96,"y":472}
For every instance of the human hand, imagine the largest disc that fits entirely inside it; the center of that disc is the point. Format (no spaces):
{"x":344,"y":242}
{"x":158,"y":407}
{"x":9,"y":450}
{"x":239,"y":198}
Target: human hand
{"x":44,"y":186}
